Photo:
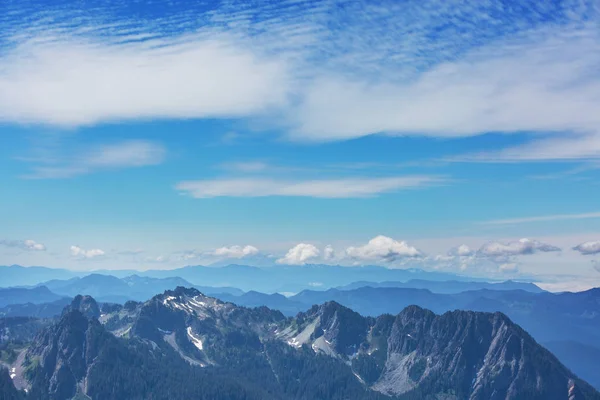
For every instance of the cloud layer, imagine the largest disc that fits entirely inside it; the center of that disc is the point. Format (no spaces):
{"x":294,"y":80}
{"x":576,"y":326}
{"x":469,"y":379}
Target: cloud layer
{"x":320,"y":70}
{"x":517,"y":248}
{"x":300,"y":254}
{"x":544,"y":218}
{"x":74,"y":80}
{"x":235,"y":251}
{"x":383,"y":248}
{"x":79,"y":252}
{"x":588,"y":248}
{"x":320,"y":188}
{"x":29,"y":245}
{"x":124,"y":154}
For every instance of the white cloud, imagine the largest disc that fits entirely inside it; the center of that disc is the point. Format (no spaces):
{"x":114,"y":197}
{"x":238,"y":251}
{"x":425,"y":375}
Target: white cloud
{"x":29,"y":245}
{"x":300,"y":254}
{"x":74,"y":80}
{"x":322,"y":70}
{"x":588,"y":248}
{"x":246,"y":166}
{"x":545,"y":218}
{"x":320,"y":188}
{"x":383,"y":248}
{"x":77,"y":251}
{"x":157,"y":259}
{"x":328,"y":253}
{"x":520,"y":247}
{"x":236,"y":251}
{"x":508,"y":267}
{"x":126,"y":154}
{"x":486,"y":90}
{"x":462,"y":251}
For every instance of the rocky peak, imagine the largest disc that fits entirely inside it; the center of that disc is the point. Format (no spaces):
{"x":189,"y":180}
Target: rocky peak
{"x":62,"y":353}
{"x":86,"y":305}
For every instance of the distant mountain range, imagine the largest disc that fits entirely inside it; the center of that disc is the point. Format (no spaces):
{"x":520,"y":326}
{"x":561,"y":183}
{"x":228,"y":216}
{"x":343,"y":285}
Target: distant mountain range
{"x":556,"y":319}
{"x":23,"y":295}
{"x":108,"y":288}
{"x":448,"y":287}
{"x":281,"y":279}
{"x":43,"y":310}
{"x":183,"y":344}
{"x":567,"y":323}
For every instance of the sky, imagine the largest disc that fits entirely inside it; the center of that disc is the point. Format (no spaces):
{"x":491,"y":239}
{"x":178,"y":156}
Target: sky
{"x":445,"y":135}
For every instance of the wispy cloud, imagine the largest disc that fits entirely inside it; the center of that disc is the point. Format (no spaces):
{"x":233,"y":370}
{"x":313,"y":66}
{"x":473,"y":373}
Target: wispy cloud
{"x":246,"y":166}
{"x":75,"y":81}
{"x":517,"y":248}
{"x":588,"y":248}
{"x":127,"y":154}
{"x":321,"y":71}
{"x":544,"y":218}
{"x":29,"y":245}
{"x":79,"y":252}
{"x":319,"y":188}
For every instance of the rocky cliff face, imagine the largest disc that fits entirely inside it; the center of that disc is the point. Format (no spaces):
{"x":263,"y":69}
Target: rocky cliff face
{"x":60,"y":357}
{"x":413,"y":355}
{"x":457,"y":355}
{"x":86,"y":305}
{"x":472,"y":355}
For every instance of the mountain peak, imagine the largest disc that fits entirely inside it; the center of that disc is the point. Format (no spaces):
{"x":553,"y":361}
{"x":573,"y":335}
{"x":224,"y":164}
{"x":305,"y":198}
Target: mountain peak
{"x":87,"y":305}
{"x":183,"y":291}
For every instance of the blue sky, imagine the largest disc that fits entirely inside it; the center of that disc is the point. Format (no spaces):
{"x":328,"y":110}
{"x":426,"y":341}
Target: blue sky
{"x":156,"y":135}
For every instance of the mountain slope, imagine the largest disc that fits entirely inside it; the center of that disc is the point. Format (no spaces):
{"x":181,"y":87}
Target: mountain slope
{"x":181,"y":345}
{"x":109,"y":288}
{"x":36,"y":295}
{"x":447,"y":287}
{"x":43,"y":310}
{"x":327,"y":352}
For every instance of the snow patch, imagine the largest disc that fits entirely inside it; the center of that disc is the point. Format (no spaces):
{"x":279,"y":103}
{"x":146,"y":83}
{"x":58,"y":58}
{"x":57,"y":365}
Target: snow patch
{"x":195,"y":341}
{"x":324,"y":346}
{"x":304,"y":336}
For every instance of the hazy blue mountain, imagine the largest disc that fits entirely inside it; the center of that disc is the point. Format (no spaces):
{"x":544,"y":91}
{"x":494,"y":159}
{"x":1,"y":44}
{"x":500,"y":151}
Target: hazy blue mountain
{"x":183,"y":344}
{"x":582,"y":359}
{"x":448,"y":287}
{"x":27,"y":295}
{"x":548,"y":317}
{"x":294,"y":279}
{"x":96,"y":285}
{"x":274,"y":301}
{"x":15,"y":275}
{"x":108,"y":288}
{"x":240,"y":276}
{"x":43,"y":310}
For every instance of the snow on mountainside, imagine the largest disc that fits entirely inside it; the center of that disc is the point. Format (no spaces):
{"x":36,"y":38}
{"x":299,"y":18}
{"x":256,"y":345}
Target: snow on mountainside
{"x":413,"y":355}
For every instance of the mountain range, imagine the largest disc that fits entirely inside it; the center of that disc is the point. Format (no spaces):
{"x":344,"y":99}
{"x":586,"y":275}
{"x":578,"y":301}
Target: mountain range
{"x":566,"y":323}
{"x":447,"y":287}
{"x":108,"y":288}
{"x":183,"y":344}
{"x":282,"y":279}
{"x":36,"y":295}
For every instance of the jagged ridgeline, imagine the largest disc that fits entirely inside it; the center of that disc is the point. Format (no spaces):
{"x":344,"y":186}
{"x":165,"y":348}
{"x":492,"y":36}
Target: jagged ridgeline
{"x":184,"y":345}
